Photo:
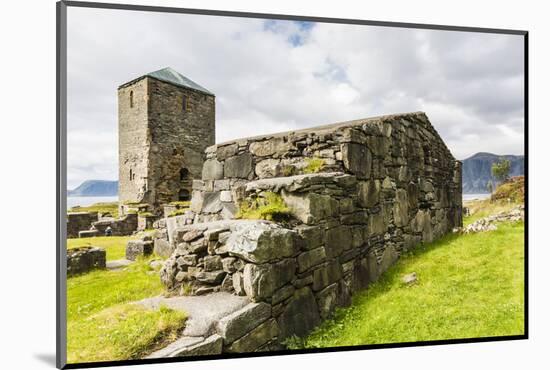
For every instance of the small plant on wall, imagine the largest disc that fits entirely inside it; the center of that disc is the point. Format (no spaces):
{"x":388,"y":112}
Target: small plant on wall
{"x":267,"y":206}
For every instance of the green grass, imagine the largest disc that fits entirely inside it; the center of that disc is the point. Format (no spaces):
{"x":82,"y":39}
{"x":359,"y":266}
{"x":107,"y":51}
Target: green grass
{"x":107,"y":207}
{"x":268,"y":206}
{"x":122,"y":332}
{"x":468,"y":286}
{"x":101,"y":325}
{"x":115,"y":246}
{"x":314,"y":165}
{"x":100,"y":289}
{"x":483,"y":208}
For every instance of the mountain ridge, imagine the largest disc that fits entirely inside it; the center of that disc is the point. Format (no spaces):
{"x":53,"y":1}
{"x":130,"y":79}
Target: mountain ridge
{"x":95,"y":188}
{"x":476,"y":170}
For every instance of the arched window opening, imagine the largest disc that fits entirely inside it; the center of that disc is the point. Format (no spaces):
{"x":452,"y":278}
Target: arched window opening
{"x":131,"y":175}
{"x":184,"y":195}
{"x":131,"y":99}
{"x":184,"y":174}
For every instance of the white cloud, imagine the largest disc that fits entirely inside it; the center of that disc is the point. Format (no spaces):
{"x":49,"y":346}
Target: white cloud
{"x":271,"y":76}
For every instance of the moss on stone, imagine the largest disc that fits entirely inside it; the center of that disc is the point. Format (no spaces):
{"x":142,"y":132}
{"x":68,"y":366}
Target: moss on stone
{"x":268,"y":206}
{"x":314,"y":165}
{"x":288,"y":170}
{"x":181,"y":203}
{"x":178,"y":212}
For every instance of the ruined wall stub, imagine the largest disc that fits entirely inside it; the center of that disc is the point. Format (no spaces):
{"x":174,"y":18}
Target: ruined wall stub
{"x":164,"y":128}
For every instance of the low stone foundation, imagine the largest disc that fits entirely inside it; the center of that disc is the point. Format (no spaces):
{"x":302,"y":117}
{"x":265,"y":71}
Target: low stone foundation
{"x":126,"y":225}
{"x":84,"y":259}
{"x":78,"y":221}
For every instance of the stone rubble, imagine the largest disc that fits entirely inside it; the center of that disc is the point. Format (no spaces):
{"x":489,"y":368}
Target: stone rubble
{"x":490,"y":223}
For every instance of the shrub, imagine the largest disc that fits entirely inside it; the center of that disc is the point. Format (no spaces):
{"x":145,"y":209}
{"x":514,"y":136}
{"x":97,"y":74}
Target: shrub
{"x":513,"y":190}
{"x":269,"y":206}
{"x":314,"y":165}
{"x":501,"y":169}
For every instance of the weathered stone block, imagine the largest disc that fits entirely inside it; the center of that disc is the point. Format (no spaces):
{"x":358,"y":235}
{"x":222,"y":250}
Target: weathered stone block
{"x":326,"y":301}
{"x":262,"y":242}
{"x":267,"y":168}
{"x":311,"y":258}
{"x":326,"y":275}
{"x":239,"y":166}
{"x":377,"y":226}
{"x":300,"y":316}
{"x":357,"y":159}
{"x":369,"y":193}
{"x":282,"y":294}
{"x":311,"y":208}
{"x":314,"y":236}
{"x":212,"y":170}
{"x":261,"y":281}
{"x":210,"y":277}
{"x":238,"y":283}
{"x":162,"y":248}
{"x":401,"y":208}
{"x":84,"y":259}
{"x":212,"y":263}
{"x":242,"y":321}
{"x":256,"y":338}
{"x":226,"y":151}
{"x":338,"y":239}
{"x":136,"y":248}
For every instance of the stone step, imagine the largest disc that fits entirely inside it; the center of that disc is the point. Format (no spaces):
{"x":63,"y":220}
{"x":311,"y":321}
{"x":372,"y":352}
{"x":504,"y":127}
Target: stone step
{"x":203,"y":312}
{"x":118,"y":264}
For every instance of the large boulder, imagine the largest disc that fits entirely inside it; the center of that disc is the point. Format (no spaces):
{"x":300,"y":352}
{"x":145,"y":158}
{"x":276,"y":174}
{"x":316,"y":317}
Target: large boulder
{"x":261,"y":242}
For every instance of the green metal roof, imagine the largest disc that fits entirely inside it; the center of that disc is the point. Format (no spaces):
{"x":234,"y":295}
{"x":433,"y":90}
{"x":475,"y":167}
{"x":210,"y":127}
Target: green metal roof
{"x":174,"y":77}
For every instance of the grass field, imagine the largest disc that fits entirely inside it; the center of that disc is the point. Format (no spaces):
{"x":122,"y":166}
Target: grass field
{"x":468,"y":286}
{"x":115,"y":246}
{"x":105,"y":207}
{"x":102,"y":325}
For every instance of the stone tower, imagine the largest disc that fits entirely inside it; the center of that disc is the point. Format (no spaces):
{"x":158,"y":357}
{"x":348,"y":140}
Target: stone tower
{"x":165,"y":122}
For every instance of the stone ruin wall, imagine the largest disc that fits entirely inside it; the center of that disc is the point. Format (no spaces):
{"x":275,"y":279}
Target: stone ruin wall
{"x":78,"y":221}
{"x":387,"y":184}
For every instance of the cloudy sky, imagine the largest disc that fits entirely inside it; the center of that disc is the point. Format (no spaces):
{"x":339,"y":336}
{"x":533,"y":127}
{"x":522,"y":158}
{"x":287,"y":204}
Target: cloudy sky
{"x":271,"y":76}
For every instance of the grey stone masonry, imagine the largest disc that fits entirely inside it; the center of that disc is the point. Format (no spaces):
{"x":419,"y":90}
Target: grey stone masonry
{"x":359,"y":195}
{"x":84,"y":259}
{"x":164,"y":129}
{"x":79,"y":221}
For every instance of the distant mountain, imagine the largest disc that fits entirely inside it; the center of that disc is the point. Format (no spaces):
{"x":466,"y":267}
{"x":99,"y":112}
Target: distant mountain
{"x":95,"y":188}
{"x":476,"y":171}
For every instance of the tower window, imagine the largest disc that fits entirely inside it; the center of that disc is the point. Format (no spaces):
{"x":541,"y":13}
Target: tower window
{"x":185,"y":104}
{"x":184,"y":195}
{"x":184,"y":174}
{"x":131,"y":99}
{"x":131,"y":174}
